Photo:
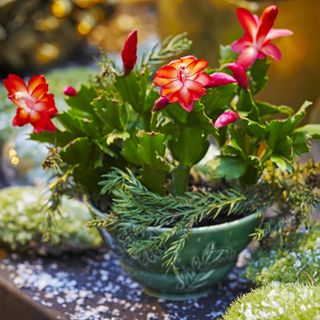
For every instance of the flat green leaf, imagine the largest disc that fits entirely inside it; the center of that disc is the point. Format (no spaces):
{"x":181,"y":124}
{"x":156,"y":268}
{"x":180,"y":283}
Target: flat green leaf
{"x":117,"y":135}
{"x":258,"y":75}
{"x":82,"y":101}
{"x":312,"y":129}
{"x":189,"y":145}
{"x":282,"y":163}
{"x":151,"y":147}
{"x":267,"y":109}
{"x":218,"y":100}
{"x":228,"y":167}
{"x":130,"y":150}
{"x":301,"y":142}
{"x":78,"y":151}
{"x":227,"y":54}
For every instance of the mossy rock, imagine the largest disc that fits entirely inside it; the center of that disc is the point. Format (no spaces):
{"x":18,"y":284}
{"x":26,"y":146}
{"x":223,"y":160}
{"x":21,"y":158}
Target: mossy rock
{"x":24,"y":223}
{"x":277,"y":302}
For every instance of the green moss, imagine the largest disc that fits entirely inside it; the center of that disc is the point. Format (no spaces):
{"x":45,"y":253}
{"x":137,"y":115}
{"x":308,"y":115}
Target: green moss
{"x":24,"y":223}
{"x":277,"y":302}
{"x":298,"y":260}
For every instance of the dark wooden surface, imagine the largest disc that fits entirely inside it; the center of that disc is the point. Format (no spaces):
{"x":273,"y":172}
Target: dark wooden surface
{"x":93,"y":286}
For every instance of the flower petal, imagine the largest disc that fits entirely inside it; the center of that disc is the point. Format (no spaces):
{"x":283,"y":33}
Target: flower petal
{"x":247,"y":21}
{"x":267,"y":20}
{"x":277,"y":33}
{"x":171,"y":88}
{"x":40,"y":91}
{"x":21,"y":118}
{"x":220,"y":79}
{"x":247,"y":57}
{"x":204,"y":79}
{"x":165,"y":72}
{"x":185,"y":99}
{"x":196,"y":66}
{"x":46,"y":104}
{"x":272,"y":51}
{"x":14,"y":84}
{"x":196,"y":88}
{"x":35,"y":81}
{"x":239,"y":74}
{"x":242,"y":43}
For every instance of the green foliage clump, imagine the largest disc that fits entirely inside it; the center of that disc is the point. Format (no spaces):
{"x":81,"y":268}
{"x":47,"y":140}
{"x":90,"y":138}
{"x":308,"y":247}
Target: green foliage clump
{"x":277,"y":302}
{"x":298,"y":261}
{"x":24,"y":223}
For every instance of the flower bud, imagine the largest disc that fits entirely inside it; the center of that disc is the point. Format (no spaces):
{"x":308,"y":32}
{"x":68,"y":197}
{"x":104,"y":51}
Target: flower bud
{"x":129,"y":52}
{"x":160,"y":104}
{"x":226,"y":118}
{"x":219,"y":79}
{"x":70,"y":91}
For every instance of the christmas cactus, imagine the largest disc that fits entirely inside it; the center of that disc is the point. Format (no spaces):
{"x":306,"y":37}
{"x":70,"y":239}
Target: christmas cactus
{"x":156,"y":117}
{"x":119,"y":120}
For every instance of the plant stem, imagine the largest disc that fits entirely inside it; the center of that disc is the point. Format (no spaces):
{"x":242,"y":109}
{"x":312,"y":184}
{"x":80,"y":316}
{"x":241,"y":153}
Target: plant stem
{"x":180,"y":180}
{"x":153,"y":121}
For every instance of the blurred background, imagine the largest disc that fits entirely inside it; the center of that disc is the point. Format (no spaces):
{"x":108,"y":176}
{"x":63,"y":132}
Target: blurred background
{"x":37,"y":35}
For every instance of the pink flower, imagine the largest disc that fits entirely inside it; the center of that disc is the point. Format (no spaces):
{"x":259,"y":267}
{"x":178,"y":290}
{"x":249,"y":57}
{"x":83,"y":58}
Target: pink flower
{"x":226,"y":118}
{"x":160,"y":104}
{"x":70,"y":91}
{"x":239,"y":72}
{"x":129,"y":52}
{"x":256,"y":42}
{"x":219,"y":79}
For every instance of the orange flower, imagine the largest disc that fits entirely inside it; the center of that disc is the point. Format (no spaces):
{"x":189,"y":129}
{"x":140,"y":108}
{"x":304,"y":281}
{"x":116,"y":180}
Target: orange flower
{"x":35,"y":105}
{"x":183,"y":81}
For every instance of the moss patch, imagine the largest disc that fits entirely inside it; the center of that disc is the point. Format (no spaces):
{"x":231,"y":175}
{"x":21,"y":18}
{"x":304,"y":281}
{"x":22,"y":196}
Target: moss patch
{"x":298,"y":260}
{"x":24,"y":224}
{"x":277,"y":301}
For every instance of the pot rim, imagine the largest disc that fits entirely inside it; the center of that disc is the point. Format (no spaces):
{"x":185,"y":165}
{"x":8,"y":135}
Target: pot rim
{"x":221,"y":226}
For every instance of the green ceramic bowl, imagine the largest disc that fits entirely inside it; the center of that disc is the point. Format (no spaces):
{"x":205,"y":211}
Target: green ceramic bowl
{"x":209,"y":254}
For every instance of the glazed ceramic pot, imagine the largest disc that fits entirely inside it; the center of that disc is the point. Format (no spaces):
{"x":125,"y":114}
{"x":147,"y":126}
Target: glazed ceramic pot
{"x":209,"y":254}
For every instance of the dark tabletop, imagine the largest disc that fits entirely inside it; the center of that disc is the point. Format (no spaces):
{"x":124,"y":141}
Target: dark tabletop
{"x":93,"y":286}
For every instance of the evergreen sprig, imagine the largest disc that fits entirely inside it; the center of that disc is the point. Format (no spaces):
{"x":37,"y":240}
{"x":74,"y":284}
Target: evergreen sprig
{"x":134,"y":209}
{"x":169,"y":48}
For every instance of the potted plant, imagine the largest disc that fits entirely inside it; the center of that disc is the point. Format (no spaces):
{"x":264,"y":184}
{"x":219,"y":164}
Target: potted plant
{"x":134,"y":141}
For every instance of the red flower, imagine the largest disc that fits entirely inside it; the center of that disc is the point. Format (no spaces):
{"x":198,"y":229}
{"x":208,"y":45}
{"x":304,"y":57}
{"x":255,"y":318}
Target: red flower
{"x":226,"y":118}
{"x":183,"y":81}
{"x":35,"y":105}
{"x":239,"y":72}
{"x":129,"y":52}
{"x":70,"y":91}
{"x":256,"y":42}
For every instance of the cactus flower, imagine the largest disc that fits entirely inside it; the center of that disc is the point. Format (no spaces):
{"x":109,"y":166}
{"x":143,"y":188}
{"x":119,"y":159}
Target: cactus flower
{"x":35,"y":105}
{"x":256,"y":42}
{"x":183,"y":81}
